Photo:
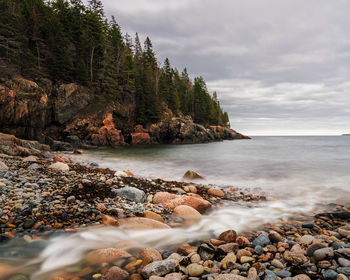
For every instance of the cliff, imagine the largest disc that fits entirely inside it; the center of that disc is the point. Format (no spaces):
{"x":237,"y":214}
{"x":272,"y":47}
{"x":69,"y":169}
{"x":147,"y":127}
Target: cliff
{"x":67,"y":115}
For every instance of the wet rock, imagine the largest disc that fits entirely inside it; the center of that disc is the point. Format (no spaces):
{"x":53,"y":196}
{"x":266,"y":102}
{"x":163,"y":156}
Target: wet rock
{"x":132,"y":194}
{"x":116,"y":273}
{"x":197,"y":203}
{"x":270,"y":275}
{"x":190,"y":175}
{"x":230,"y":277}
{"x":187,"y":249}
{"x":242,"y":241}
{"x":259,"y":250}
{"x":262,"y":240}
{"x":323,"y":253}
{"x":228,"y":247}
{"x":228,"y":261}
{"x":330,"y":274}
{"x":275,"y":237}
{"x":228,"y":236}
{"x":206,"y":252}
{"x":283,"y":273}
{"x":312,"y":248}
{"x":154,"y":216}
{"x":163,"y":197}
{"x":107,"y":255}
{"x":216,"y":192}
{"x":187,"y":212}
{"x":28,"y":223}
{"x":195,"y":269}
{"x":342,"y":277}
{"x":344,"y":231}
{"x":141,"y":223}
{"x":59,"y":166}
{"x":150,"y":254}
{"x":344,"y":270}
{"x":159,"y":268}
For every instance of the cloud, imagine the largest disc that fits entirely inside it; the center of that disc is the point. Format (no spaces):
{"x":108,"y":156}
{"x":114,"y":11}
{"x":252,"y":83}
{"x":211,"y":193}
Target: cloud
{"x":275,"y":64}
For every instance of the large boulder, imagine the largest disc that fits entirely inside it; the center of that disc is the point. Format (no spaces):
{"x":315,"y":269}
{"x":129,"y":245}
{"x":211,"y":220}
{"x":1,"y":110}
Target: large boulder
{"x":140,"y":138}
{"x":108,"y":135}
{"x":14,"y":146}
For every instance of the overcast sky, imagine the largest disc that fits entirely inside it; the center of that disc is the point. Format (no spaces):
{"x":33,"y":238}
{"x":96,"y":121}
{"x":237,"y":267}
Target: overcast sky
{"x":279,"y":66}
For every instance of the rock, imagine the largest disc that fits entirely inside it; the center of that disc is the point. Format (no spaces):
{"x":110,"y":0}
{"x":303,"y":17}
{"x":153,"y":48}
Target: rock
{"x":243,"y":253}
{"x":228,"y":247}
{"x":324,"y":264}
{"x":344,"y":231}
{"x":323,"y":253}
{"x":295,"y":258}
{"x":246,"y":259}
{"x":3,"y":166}
{"x":342,"y":277}
{"x":28,"y":223}
{"x":108,"y":135}
{"x":283,"y":273}
{"x":190,"y":189}
{"x":71,"y":199}
{"x":173,"y":276}
{"x":276,"y":263}
{"x":197,"y":203}
{"x":187,"y":212}
{"x":344,"y":262}
{"x":141,"y":223}
{"x":261,"y":240}
{"x":195,"y":258}
{"x":275,"y":237}
{"x":309,"y":225}
{"x":216,"y":192}
{"x":229,"y":277}
{"x":163,"y":197}
{"x":344,"y":270}
{"x":228,"y":261}
{"x":110,"y":221}
{"x":187,"y":249}
{"x":330,"y":274}
{"x":154,"y":216}
{"x":270,"y":275}
{"x":30,"y":159}
{"x":306,"y":239}
{"x":312,"y":248}
{"x":252,"y":273}
{"x":116,"y":273}
{"x":242,"y":241}
{"x":140,"y":138}
{"x":13,"y":146}
{"x":195,"y":269}
{"x":259,"y":250}
{"x":221,"y":133}
{"x":206,"y":252}
{"x":159,"y":268}
{"x":59,"y":166}
{"x":107,"y":255}
{"x":150,"y":254}
{"x":301,"y":277}
{"x":132,"y":194}
{"x":190,"y":175}
{"x":228,"y":236}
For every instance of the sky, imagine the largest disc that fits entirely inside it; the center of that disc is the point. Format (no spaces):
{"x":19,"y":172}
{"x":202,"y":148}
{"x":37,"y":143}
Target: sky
{"x":280,"y":67}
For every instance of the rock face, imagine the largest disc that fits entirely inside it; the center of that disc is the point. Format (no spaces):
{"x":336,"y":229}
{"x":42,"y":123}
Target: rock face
{"x":68,"y":114}
{"x":13,"y":146}
{"x":108,"y":135}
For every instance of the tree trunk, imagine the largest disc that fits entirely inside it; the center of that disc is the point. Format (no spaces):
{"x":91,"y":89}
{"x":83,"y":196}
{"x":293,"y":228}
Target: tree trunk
{"x":91,"y":61}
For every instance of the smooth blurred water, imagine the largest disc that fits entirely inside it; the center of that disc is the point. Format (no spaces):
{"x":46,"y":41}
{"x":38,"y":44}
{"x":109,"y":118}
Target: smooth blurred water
{"x":300,"y":166}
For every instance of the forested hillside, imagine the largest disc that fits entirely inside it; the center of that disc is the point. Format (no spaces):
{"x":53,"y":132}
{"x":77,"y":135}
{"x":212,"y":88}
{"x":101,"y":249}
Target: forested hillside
{"x":69,"y":42}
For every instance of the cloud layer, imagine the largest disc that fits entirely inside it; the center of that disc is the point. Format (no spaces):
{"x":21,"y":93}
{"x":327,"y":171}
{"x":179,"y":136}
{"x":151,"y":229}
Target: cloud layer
{"x":279,"y":66}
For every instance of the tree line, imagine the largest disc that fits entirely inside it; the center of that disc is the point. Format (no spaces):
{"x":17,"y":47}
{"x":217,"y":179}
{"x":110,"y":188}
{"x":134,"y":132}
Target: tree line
{"x":67,"y":41}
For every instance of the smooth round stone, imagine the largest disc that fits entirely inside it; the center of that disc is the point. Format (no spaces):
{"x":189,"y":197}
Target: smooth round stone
{"x":308,"y":225}
{"x":269,"y":275}
{"x":342,"y":277}
{"x":195,"y":269}
{"x":306,"y":239}
{"x":344,"y":270}
{"x":330,"y":274}
{"x":321,"y":254}
{"x":283,"y":273}
{"x":336,"y":245}
{"x":344,"y":262}
{"x":277,"y":263}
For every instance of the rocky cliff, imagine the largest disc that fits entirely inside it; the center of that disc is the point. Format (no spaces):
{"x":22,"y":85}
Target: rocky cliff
{"x":67,"y":115}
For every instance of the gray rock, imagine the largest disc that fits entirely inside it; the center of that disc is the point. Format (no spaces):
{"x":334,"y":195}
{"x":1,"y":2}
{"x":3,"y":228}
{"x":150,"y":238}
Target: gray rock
{"x":28,"y":223}
{"x":71,"y":199}
{"x":323,"y":253}
{"x":344,"y":262}
{"x":330,"y":274}
{"x":261,"y":240}
{"x":3,"y":166}
{"x":259,"y":250}
{"x":34,"y":166}
{"x":312,"y":248}
{"x":132,"y":194}
{"x":159,"y":268}
{"x":344,"y":270}
{"x":284,"y":273}
{"x":269,"y":275}
{"x":308,"y":225}
{"x":206,"y":252}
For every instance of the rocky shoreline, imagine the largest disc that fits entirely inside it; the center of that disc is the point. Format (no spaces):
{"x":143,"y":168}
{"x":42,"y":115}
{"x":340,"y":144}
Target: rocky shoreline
{"x":49,"y":195}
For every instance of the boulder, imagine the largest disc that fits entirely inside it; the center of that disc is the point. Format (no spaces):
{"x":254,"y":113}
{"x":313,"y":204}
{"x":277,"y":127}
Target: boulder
{"x":140,"y":138}
{"x":150,"y":254}
{"x":187,"y":212}
{"x":197,"y":203}
{"x":107,"y":255}
{"x":108,"y":135}
{"x":132,"y":194}
{"x":216,"y":192}
{"x":141,"y":223}
{"x":163,"y":197}
{"x":190,"y":175}
{"x":11,"y":145}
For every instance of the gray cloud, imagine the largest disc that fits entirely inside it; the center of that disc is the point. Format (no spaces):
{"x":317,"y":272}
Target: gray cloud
{"x":279,"y":66}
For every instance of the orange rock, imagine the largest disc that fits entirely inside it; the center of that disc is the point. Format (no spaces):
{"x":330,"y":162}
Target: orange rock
{"x":150,"y":253}
{"x":163,"y":197}
{"x":228,"y":236}
{"x":154,"y":216}
{"x":108,"y":135}
{"x":129,"y":173}
{"x":243,"y":253}
{"x":173,"y":276}
{"x":116,"y":273}
{"x":106,"y":255}
{"x":187,"y":212}
{"x":140,"y":138}
{"x":242,"y":241}
{"x":197,"y":203}
{"x":110,"y":221}
{"x":5,"y":270}
{"x":187,"y":249}
{"x":141,"y":223}
{"x":136,"y":276}
{"x":216,"y":192}
{"x":101,"y":207}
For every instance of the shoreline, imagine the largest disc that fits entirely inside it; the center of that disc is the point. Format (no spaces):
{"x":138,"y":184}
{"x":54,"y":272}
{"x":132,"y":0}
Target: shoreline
{"x":41,"y":202}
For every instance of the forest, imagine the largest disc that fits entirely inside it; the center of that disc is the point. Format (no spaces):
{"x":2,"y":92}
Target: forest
{"x":70,"y":42}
